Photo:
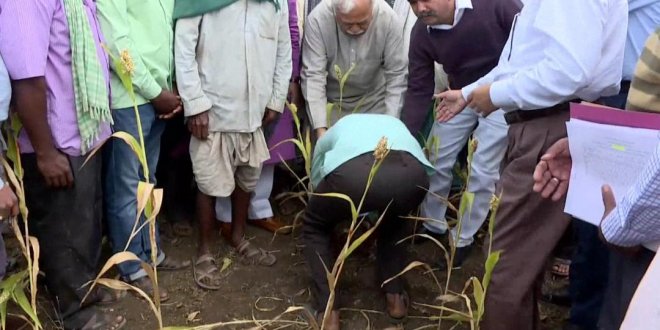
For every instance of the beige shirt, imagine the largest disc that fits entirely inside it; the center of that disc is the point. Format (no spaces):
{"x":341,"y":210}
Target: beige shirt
{"x":236,"y":62}
{"x":377,"y":84}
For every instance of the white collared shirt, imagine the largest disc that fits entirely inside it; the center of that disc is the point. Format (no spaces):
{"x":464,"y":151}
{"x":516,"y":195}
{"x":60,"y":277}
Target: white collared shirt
{"x":557,"y":51}
{"x":461,"y":6}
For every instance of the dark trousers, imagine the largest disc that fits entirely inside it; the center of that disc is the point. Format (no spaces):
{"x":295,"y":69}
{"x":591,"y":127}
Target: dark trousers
{"x":527,"y":227}
{"x":67,"y":223}
{"x":174,"y":172}
{"x":589,"y":267}
{"x":588,"y":276}
{"x":401,"y":180}
{"x":625,"y":273}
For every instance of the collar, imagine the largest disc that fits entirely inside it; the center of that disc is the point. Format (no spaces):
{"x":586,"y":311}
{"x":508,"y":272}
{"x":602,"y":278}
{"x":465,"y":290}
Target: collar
{"x":461,"y":6}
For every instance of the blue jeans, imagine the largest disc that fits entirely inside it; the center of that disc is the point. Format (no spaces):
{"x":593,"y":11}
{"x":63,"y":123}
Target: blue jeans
{"x":123,"y":172}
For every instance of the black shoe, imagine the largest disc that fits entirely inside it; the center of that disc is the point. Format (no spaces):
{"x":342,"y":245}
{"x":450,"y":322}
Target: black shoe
{"x":462,"y":253}
{"x":422,"y":230}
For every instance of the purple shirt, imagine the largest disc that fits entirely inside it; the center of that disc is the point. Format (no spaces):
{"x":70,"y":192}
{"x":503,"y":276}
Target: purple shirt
{"x":35,"y":43}
{"x":284,"y":128}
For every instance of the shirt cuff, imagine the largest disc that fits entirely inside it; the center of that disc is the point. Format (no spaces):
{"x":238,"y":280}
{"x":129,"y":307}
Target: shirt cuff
{"x":151,"y":91}
{"x":197,"y":106}
{"x":500,"y":96}
{"x":467,"y":90}
{"x":276,"y":104}
{"x":320,"y":122}
{"x":615,"y":233}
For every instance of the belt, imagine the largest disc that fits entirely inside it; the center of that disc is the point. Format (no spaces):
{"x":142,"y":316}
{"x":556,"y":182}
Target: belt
{"x":519,"y":116}
{"x":625,"y":86}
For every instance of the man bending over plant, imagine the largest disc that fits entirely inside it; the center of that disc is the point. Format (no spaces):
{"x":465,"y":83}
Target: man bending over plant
{"x":343,"y":163}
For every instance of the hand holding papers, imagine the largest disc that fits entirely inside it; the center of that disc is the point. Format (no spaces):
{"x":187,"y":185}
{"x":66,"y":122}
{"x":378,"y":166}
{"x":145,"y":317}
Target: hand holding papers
{"x":608,"y":146}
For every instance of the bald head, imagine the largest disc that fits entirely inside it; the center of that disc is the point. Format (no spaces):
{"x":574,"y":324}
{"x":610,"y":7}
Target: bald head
{"x":353,"y":16}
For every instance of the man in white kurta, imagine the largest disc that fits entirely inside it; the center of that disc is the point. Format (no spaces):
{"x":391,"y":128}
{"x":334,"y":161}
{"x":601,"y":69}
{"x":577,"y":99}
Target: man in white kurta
{"x":233,"y":67}
{"x":377,"y":81}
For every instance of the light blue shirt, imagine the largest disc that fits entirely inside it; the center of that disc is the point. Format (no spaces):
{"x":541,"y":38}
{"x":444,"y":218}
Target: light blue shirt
{"x":358,"y":134}
{"x":643,"y":19}
{"x":636,"y":219}
{"x":5,"y":97}
{"x":5,"y":91}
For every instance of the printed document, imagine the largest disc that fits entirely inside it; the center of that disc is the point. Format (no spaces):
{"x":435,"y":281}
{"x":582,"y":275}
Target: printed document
{"x":604,"y":154}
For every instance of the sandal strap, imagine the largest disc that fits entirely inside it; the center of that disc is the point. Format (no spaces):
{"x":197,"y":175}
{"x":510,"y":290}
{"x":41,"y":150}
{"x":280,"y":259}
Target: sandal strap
{"x":205,"y":258}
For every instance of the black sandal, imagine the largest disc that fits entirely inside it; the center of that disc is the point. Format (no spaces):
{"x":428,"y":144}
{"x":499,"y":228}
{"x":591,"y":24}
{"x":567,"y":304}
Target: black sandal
{"x":104,"y":321}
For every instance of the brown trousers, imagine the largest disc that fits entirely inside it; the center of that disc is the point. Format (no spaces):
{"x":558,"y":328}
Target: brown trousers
{"x":527,"y":227}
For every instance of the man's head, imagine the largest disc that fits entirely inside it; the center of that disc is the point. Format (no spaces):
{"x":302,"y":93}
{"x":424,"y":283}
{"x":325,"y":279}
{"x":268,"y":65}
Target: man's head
{"x":434,"y":12}
{"x":353,"y":16}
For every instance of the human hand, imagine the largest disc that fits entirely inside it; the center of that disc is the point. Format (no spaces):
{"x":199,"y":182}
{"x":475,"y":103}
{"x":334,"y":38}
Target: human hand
{"x":167,"y":104}
{"x":552,"y":173}
{"x":295,"y":95}
{"x":610,"y":204}
{"x":480,"y":101}
{"x":270,"y":116}
{"x":198,"y":125}
{"x":451,"y":103}
{"x":8,"y":202}
{"x":320,"y":132}
{"x":56,"y":169}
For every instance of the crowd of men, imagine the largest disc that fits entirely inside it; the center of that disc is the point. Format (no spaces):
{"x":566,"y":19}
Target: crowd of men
{"x":419,"y":73}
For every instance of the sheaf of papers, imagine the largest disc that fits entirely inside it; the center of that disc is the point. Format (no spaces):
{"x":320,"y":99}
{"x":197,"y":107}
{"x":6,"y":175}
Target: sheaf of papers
{"x":604,"y":154}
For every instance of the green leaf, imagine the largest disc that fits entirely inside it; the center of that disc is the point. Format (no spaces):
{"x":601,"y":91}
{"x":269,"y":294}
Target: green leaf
{"x":479,"y":297}
{"x":467,"y":200}
{"x":12,"y":281}
{"x":457,"y":317}
{"x":357,"y":242}
{"x":308,"y":154}
{"x":22,"y":301}
{"x":343,"y":79}
{"x":359,"y":104}
{"x":328,"y":111}
{"x":354,"y":213}
{"x":490,"y":264}
{"x":3,"y":315}
{"x":13,"y":153}
{"x":135,"y":146}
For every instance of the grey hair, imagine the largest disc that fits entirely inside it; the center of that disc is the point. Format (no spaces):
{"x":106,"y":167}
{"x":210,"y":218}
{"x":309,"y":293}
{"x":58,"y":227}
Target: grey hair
{"x":345,"y":6}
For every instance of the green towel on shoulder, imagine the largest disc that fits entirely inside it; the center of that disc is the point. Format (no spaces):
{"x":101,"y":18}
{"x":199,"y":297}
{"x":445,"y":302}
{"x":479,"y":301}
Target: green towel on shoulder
{"x":191,"y":8}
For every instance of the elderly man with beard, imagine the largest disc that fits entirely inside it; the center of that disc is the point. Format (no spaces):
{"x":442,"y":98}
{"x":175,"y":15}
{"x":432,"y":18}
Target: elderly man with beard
{"x":362,"y":37}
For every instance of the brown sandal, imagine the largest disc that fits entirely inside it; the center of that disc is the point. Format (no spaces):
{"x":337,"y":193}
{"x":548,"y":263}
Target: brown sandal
{"x":254,"y":256}
{"x":206,"y":270}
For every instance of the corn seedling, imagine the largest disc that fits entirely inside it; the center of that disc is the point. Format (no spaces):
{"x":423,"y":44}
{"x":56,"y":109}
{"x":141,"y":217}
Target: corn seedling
{"x":472,"y":301}
{"x":13,"y":287}
{"x":381,"y":151}
{"x":149,"y":199}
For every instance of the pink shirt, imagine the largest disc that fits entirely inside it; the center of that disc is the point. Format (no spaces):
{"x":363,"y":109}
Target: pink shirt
{"x":35,"y":43}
